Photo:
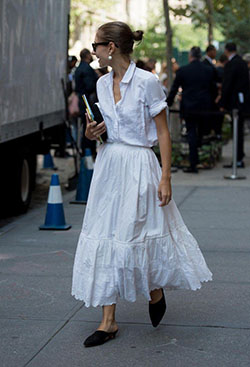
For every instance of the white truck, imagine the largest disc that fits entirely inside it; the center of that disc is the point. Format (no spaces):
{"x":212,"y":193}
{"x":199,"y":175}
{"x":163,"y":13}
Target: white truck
{"x":33,"y":62}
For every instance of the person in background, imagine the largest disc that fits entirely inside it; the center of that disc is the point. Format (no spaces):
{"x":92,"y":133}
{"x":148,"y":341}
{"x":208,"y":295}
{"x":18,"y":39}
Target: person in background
{"x":246,"y":57}
{"x":101,"y":71}
{"x":195,"y":79}
{"x":210,"y":56}
{"x":164,"y":82}
{"x":235,"y":94}
{"x":72,"y":60}
{"x":223,"y":59}
{"x":85,"y":83}
{"x":140,"y":64}
{"x":62,"y":134}
{"x":220,"y":118}
{"x":215,"y":120}
{"x":85,"y":76}
{"x":150,"y":65}
{"x":175,"y":65}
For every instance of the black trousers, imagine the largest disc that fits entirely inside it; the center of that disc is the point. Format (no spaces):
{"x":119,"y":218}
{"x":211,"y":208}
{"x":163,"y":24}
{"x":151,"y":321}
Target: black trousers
{"x":195,"y":129}
{"x":216,"y":120}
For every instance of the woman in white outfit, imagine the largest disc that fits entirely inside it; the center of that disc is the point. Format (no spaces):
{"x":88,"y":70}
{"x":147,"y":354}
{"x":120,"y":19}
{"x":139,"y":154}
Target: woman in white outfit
{"x":133,"y":240}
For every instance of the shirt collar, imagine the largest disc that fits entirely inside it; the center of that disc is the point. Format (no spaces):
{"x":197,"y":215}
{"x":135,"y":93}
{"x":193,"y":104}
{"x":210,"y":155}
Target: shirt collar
{"x":128,"y":75}
{"x":231,"y":56}
{"x":209,"y":59}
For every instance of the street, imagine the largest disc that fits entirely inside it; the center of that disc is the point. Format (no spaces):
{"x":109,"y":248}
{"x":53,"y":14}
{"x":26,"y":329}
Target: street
{"x":43,"y":325}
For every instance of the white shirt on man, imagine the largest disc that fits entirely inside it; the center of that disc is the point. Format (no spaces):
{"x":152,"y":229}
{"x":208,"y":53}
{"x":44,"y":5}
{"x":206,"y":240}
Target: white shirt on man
{"x":231,"y":56}
{"x":209,"y":59}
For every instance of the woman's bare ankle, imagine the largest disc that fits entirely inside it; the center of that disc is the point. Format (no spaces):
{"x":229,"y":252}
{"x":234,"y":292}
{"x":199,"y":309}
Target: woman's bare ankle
{"x":108,"y":326}
{"x":108,"y":323}
{"x":155,"y":295}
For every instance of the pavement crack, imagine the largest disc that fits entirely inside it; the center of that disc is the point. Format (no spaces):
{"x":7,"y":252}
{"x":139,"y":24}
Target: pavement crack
{"x":53,"y":335}
{"x":38,"y":254}
{"x":209,"y":326}
{"x":187,"y":196}
{"x":175,"y":325}
{"x":227,"y":251}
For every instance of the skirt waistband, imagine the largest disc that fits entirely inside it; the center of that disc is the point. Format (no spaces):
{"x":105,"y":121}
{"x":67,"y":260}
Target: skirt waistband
{"x":127,"y":145}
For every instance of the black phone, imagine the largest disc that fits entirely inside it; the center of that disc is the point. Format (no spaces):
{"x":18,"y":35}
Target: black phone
{"x":98,"y":118}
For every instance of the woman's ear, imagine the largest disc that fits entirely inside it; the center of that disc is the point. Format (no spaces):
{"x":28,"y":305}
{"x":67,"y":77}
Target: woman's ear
{"x":112,"y":47}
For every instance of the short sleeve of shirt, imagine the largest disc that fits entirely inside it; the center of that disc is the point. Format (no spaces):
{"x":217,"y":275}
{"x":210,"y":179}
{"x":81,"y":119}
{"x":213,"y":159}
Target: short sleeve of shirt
{"x":98,"y":87}
{"x":155,"y":96}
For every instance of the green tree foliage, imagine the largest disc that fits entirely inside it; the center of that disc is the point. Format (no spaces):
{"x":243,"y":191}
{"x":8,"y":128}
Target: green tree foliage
{"x":231,"y":17}
{"x":152,"y":46}
{"x":82,"y":13}
{"x":184,"y":37}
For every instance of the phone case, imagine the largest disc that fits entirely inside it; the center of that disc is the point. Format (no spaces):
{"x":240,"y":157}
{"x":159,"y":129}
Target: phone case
{"x":98,"y":118}
{"x":94,"y":115}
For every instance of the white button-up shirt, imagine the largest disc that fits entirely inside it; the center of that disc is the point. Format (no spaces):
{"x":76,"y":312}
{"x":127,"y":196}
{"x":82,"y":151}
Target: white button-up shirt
{"x":130,"y":121}
{"x":209,"y":59}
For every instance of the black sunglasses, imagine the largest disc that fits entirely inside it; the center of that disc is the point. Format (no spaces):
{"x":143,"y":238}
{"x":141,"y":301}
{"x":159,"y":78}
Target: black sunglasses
{"x":95,"y":44}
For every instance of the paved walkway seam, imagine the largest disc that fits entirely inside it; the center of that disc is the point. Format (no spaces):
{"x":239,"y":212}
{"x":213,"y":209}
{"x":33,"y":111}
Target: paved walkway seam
{"x":53,"y":335}
{"x":187,"y":196}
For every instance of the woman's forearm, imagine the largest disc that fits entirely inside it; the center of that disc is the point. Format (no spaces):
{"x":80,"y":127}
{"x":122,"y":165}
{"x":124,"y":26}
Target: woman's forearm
{"x":164,"y":144}
{"x":165,"y":151}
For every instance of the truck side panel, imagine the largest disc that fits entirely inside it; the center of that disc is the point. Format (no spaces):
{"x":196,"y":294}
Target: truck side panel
{"x":33,"y":49}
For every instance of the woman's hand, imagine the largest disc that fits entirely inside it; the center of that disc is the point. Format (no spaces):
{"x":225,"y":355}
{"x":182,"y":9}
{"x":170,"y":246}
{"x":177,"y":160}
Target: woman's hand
{"x":93,"y":131}
{"x":164,"y":192}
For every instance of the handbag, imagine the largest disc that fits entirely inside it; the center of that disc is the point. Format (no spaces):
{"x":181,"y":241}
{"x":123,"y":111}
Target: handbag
{"x":73,"y":104}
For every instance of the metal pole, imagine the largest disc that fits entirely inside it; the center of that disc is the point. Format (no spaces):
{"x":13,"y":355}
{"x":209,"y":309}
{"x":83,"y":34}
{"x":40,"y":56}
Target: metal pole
{"x":234,"y":176}
{"x":235,"y":142}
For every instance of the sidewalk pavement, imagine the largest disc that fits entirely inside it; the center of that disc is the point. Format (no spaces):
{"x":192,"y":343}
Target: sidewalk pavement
{"x":41,"y":325}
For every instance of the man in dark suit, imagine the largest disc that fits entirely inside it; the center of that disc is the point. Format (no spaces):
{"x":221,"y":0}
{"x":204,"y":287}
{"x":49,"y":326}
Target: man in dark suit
{"x":195,"y":79}
{"x":235,"y":93}
{"x":210,"y":55}
{"x":85,"y":83}
{"x":85,"y":76}
{"x":215,"y":121}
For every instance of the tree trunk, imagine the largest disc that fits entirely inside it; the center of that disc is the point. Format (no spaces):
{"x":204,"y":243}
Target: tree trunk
{"x":127,"y":3}
{"x":174,"y":120}
{"x":169,"y":46}
{"x":209,"y":4}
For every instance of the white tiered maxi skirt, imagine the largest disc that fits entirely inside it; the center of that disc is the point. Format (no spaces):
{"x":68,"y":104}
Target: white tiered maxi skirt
{"x":128,"y":244}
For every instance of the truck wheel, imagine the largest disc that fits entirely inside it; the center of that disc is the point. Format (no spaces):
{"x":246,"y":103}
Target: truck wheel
{"x":25,"y":181}
{"x":22,"y":184}
{"x":18,"y":179}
